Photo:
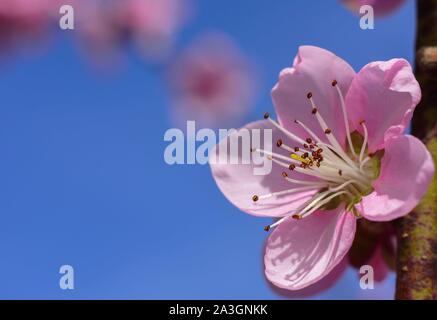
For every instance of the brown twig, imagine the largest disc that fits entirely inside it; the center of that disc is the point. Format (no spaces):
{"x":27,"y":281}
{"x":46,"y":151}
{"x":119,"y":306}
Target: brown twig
{"x":417,"y":232}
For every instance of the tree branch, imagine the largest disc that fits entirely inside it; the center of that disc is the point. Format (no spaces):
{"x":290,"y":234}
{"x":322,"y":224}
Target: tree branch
{"x":417,"y":232}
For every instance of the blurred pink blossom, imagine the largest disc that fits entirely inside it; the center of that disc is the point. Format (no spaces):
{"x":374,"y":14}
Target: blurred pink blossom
{"x":100,"y":38}
{"x":152,"y":24}
{"x":22,"y":21}
{"x":149,"y":25}
{"x":380,"y":7}
{"x":212,"y":81}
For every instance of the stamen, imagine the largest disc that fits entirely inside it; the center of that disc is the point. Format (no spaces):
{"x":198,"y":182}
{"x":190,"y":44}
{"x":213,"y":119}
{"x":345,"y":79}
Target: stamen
{"x":331,"y":172}
{"x":335,"y":144}
{"x":282,"y":164}
{"x":281,"y":144}
{"x":363,"y":147}
{"x":319,"y":184}
{"x":273,"y":155}
{"x":316,"y":199}
{"x":310,"y":132}
{"x":303,"y":165}
{"x":345,"y":117}
{"x":366,"y":159}
{"x":284,"y":192}
{"x":342,"y":186}
{"x":306,"y":206}
{"x":322,"y":203}
{"x":334,"y":155}
{"x":277,"y":223}
{"x":301,"y":159}
{"x":286,"y":132}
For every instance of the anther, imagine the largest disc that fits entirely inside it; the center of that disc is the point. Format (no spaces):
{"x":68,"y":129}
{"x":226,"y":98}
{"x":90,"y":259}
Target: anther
{"x":266,"y":115}
{"x":284,"y":174}
{"x":291,"y":167}
{"x":279,"y":143}
{"x":328,"y":131}
{"x":305,"y":146}
{"x":296,"y":149}
{"x":314,"y":111}
{"x":334,"y":83}
{"x":362,"y":122}
{"x":296,"y":217}
{"x":309,"y":140}
{"x":305,"y":155}
{"x":340,"y":172}
{"x":255,"y":198}
{"x":267,"y":228}
{"x":309,"y":95}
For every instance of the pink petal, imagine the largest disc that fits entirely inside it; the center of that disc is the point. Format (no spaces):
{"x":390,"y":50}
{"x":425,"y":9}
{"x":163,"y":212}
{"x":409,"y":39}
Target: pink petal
{"x":313,"y":71}
{"x":320,"y":286}
{"x":239,"y":183}
{"x":384,"y":94}
{"x":300,"y":253}
{"x":406,"y":172}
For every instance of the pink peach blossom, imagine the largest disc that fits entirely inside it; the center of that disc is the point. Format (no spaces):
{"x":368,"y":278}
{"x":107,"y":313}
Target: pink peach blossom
{"x":212,"y":81}
{"x":380,"y":7}
{"x":341,"y":154}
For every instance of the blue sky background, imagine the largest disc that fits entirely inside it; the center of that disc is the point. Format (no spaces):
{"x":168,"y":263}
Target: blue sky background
{"x":83,"y":180}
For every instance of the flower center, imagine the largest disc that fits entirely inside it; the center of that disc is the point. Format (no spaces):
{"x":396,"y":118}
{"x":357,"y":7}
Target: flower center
{"x":339,"y":176}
